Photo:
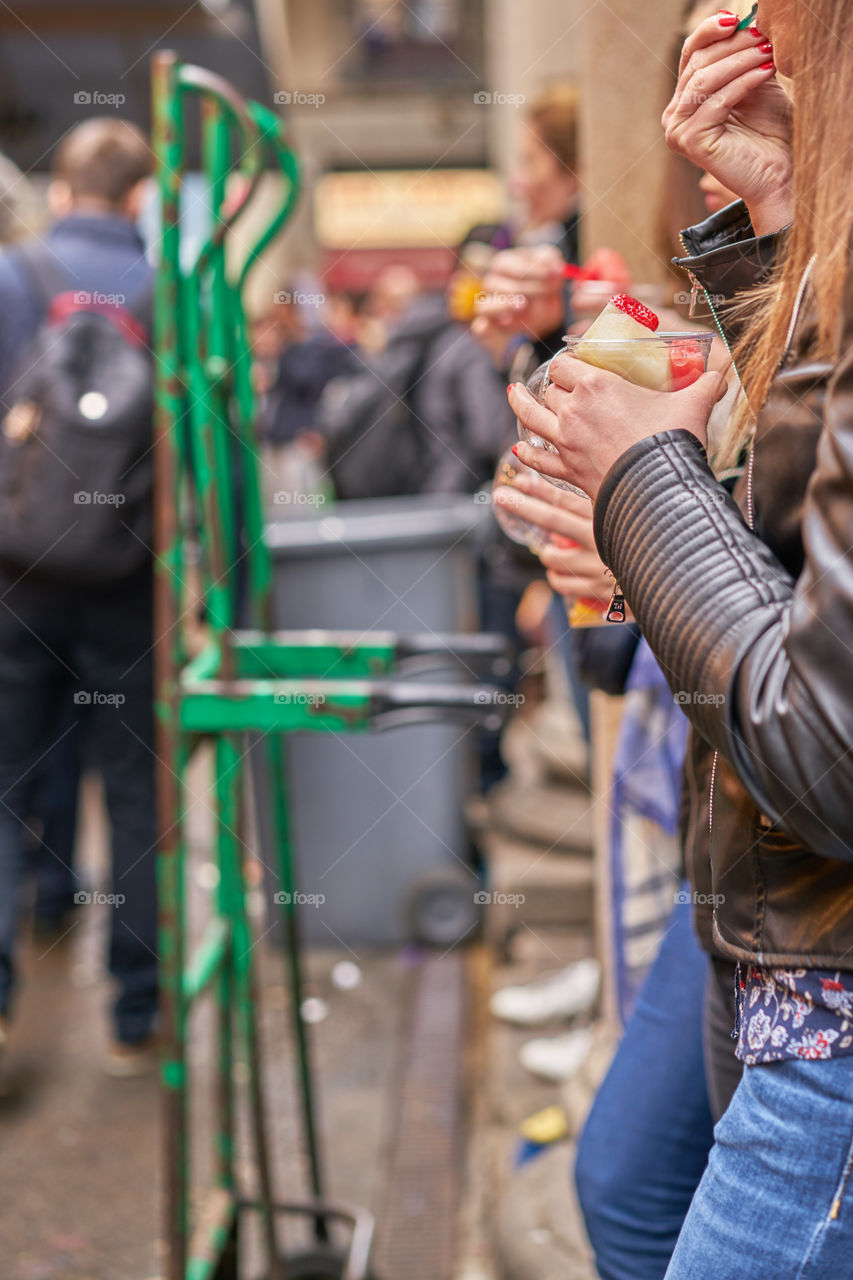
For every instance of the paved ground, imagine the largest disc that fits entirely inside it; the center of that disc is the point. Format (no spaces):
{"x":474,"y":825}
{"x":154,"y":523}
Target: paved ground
{"x":533,"y":1220}
{"x":79,"y":1179}
{"x":78,"y":1182}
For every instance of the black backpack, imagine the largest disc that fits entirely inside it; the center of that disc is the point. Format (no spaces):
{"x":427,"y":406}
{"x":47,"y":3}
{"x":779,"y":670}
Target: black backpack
{"x":76,"y":471}
{"x":374,"y":439}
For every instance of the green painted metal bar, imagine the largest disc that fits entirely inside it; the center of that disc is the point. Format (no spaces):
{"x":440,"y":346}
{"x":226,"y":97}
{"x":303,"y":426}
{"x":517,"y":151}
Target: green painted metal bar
{"x":211,"y":954}
{"x":216,"y":146}
{"x":213,"y":564}
{"x":294,"y":655}
{"x":169,"y":403}
{"x":286,"y":867}
{"x":208,"y":491}
{"x":258,"y":560}
{"x":291,"y":656}
{"x":215,"y":89}
{"x":228,"y":774}
{"x":225,"y":995}
{"x":206,"y":419}
{"x":272,"y":130}
{"x":285,"y":706}
{"x":213,"y":1237}
{"x":205,"y":665}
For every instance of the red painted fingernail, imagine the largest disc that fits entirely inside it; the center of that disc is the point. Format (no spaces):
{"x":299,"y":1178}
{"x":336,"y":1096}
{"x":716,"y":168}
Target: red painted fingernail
{"x":726,"y":21}
{"x":767,"y":66}
{"x":515,"y":449}
{"x":767,"y":47}
{"x":756,"y":32}
{"x":510,"y":387}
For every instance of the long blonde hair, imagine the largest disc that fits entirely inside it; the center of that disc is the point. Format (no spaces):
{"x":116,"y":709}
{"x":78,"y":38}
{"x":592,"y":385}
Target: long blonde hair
{"x":823,"y":208}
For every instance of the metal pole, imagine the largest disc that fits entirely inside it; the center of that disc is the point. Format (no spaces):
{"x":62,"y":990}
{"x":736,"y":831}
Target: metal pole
{"x":168,"y":408}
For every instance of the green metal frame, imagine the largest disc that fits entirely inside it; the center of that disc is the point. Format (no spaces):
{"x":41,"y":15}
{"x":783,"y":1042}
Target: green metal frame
{"x":247,"y":679}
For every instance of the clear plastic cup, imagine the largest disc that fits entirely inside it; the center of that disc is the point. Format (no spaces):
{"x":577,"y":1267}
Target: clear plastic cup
{"x":663,"y":362}
{"x":515,"y":528}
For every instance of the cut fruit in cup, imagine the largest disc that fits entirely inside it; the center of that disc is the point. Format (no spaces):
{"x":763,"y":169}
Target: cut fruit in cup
{"x":687,"y":363}
{"x":624,"y":339}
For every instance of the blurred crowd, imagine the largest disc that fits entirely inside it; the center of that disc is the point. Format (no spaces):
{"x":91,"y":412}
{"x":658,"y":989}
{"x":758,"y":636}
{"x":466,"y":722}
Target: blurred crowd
{"x":401,"y":392}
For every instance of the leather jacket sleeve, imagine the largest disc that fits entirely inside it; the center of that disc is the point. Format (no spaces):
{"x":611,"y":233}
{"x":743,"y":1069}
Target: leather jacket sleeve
{"x":761,"y":664}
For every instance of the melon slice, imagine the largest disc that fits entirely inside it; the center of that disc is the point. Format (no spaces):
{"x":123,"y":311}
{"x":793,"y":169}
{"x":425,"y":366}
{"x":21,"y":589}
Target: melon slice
{"x":631,"y":350}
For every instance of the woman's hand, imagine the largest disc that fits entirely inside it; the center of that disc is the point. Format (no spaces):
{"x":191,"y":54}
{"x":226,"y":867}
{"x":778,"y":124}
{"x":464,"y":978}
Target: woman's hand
{"x":522,"y":294}
{"x":731,"y":117}
{"x":574,"y":568}
{"x":593,"y":417}
{"x":557,"y":511}
{"x":576,"y":574}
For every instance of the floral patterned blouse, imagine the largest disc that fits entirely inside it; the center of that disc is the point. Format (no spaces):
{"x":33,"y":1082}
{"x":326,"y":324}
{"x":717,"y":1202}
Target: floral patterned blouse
{"x":793,"y":1013}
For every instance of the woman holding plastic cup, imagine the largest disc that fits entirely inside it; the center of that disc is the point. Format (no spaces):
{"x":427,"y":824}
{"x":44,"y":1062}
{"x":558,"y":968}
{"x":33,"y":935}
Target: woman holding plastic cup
{"x":748,"y":606}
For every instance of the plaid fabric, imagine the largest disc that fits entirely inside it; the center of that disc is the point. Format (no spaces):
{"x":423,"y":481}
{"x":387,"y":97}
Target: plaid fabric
{"x":645,"y":848}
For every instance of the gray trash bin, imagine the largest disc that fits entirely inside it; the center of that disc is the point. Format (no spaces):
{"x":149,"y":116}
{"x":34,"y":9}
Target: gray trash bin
{"x":381,"y":846}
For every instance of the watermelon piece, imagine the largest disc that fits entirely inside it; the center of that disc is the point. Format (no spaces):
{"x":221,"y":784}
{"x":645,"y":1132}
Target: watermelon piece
{"x":686,"y":364}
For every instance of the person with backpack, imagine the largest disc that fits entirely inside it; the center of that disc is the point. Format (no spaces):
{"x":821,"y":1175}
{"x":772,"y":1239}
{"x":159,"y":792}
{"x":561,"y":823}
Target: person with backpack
{"x":426,"y":415}
{"x":76,"y":632}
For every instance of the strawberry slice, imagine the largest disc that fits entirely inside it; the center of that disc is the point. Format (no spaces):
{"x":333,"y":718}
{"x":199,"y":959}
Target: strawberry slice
{"x":686,"y":364}
{"x":635,"y":310}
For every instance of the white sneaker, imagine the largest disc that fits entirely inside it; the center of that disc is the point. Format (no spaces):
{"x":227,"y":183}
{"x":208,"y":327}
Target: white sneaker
{"x":572,"y":990}
{"x":557,"y":1059}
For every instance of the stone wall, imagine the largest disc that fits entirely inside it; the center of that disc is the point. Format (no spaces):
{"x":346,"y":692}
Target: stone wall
{"x":626,"y":77}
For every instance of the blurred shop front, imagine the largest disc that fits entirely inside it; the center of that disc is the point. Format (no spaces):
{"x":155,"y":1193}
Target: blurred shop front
{"x":364,"y":221}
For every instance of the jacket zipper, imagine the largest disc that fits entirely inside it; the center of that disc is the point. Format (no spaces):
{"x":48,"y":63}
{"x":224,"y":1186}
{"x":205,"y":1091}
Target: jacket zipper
{"x":695,"y":288}
{"x":750,"y":468}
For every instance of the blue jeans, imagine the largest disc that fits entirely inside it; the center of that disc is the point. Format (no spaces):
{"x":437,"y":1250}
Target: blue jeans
{"x":56,"y":807}
{"x":776,"y":1200}
{"x":645,"y":1144}
{"x":70,"y":655}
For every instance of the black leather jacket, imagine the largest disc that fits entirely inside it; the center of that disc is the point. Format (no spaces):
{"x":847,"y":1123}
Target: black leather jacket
{"x":755,"y":633}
